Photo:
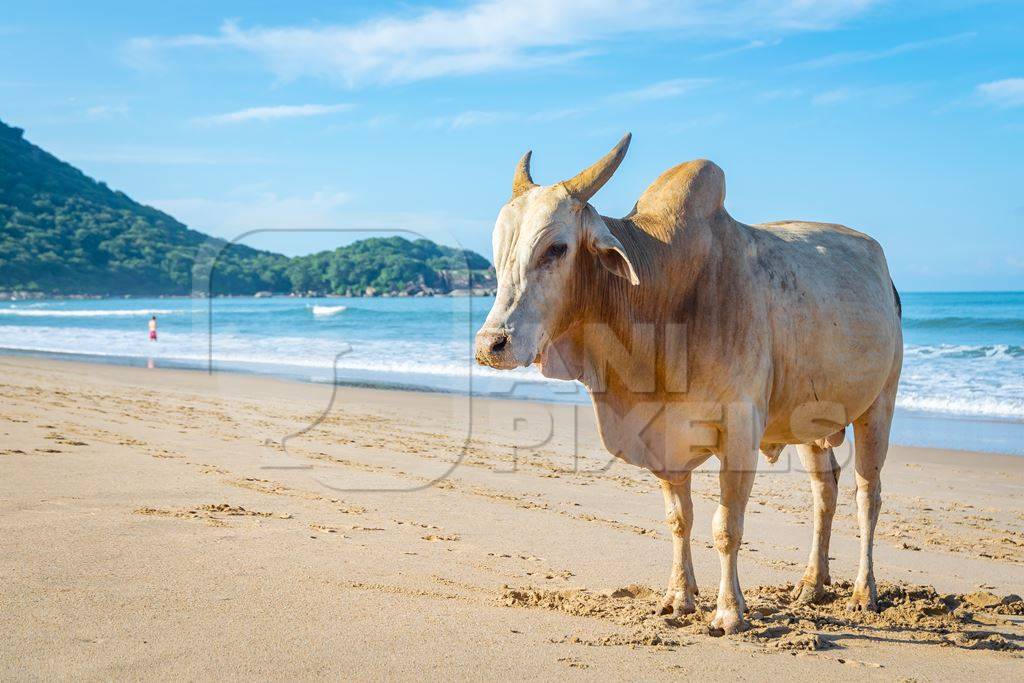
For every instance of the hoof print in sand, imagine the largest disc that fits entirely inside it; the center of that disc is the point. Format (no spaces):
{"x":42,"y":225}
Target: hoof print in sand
{"x":211,"y":513}
{"x":778,"y":623}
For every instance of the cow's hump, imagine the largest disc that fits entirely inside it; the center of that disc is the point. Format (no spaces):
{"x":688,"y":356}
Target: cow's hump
{"x":694,"y":189}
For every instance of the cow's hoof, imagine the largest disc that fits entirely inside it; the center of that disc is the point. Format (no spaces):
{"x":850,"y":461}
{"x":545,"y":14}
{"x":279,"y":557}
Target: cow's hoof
{"x":676,"y":603}
{"x":863,"y":600}
{"x":808,"y":593}
{"x":727,"y":622}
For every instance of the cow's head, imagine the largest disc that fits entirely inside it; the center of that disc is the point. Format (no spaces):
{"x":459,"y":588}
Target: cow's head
{"x":541,"y":238}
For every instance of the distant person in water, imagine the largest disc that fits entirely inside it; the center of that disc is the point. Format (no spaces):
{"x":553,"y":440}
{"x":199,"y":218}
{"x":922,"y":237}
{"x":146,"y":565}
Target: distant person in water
{"x":152,"y":328}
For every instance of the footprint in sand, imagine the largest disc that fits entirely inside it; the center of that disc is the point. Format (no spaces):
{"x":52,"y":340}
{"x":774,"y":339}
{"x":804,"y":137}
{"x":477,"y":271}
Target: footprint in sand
{"x":421,"y":525}
{"x":440,"y":538}
{"x":908,"y":613}
{"x":574,"y":663}
{"x":211,"y":512}
{"x":209,"y":469}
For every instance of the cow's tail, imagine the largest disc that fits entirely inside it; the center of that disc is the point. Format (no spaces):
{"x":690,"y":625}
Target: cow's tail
{"x":896,"y":296}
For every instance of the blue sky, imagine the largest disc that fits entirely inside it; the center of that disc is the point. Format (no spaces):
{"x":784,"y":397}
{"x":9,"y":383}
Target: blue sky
{"x":902,"y":119}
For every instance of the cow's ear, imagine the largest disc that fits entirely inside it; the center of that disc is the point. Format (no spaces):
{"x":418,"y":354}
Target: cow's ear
{"x":613,"y":257}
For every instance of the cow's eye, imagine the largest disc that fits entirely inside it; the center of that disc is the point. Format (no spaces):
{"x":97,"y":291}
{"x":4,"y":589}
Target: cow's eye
{"x":553,"y":253}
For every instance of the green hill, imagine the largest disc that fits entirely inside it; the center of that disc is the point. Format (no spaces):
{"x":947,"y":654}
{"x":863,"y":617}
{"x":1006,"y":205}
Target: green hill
{"x":65,"y":233}
{"x":388,"y":264}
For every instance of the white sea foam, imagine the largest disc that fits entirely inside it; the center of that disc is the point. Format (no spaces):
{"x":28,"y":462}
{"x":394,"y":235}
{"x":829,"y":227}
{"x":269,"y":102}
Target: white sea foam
{"x":328,"y":311}
{"x":441,"y":359}
{"x":963,"y":351}
{"x":977,"y":406}
{"x":97,"y":313}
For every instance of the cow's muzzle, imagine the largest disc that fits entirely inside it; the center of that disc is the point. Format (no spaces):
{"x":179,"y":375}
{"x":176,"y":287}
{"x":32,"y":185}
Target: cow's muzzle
{"x":494,"y":348}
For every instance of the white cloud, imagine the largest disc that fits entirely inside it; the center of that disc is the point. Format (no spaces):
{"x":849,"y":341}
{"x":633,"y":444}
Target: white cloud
{"x":302,"y":224}
{"x":485,"y":117}
{"x":745,"y":47}
{"x":475,"y":117}
{"x":834,"y":96}
{"x":782,"y":94}
{"x":157,"y":156}
{"x":878,"y":96}
{"x":860,"y":56}
{"x":663,"y":89}
{"x":102,"y":111}
{"x":254,"y":209}
{"x":492,"y":35}
{"x":698,"y":122}
{"x":282,"y":111}
{"x":1008,"y":92}
{"x":482,"y":117}
{"x":558,"y":114}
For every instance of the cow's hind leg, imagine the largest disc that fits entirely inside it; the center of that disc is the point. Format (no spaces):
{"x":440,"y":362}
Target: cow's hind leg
{"x":871,"y":432}
{"x":682,"y":586}
{"x":823,"y":469}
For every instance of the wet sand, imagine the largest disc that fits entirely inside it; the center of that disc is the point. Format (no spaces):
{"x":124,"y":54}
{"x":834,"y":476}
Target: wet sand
{"x":163,"y":523}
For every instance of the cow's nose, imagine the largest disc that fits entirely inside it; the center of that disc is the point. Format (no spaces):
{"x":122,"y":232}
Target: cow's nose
{"x":490,"y":345}
{"x":498,"y":345}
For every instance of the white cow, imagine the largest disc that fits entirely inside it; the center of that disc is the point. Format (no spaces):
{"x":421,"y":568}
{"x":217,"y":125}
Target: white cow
{"x":698,"y":335}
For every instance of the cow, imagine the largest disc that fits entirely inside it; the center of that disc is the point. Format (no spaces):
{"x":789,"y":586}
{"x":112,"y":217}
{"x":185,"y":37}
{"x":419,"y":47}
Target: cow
{"x":698,"y":336}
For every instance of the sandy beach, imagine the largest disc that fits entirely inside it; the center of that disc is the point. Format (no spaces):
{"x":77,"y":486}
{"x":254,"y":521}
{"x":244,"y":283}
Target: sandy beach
{"x":167,"y":523}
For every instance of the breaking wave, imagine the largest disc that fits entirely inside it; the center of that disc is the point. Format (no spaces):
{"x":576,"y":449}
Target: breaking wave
{"x":327,"y":311}
{"x":978,"y":406}
{"x":966,"y":351}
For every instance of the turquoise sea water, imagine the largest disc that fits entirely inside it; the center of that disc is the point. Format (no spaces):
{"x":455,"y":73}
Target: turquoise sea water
{"x":962,"y":384}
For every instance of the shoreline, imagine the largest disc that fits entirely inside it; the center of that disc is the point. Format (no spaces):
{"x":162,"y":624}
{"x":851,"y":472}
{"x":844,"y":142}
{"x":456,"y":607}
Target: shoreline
{"x":187,"y":524}
{"x":910,"y":428}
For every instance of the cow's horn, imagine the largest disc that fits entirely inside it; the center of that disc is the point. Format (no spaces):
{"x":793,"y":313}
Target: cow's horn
{"x":521,"y":181}
{"x":588,"y":182}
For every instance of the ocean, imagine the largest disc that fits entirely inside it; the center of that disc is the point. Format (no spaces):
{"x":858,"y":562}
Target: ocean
{"x":962,"y":385}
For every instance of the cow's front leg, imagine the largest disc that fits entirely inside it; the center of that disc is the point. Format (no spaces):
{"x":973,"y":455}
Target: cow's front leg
{"x":682,"y":587}
{"x":736,"y":478}
{"x":823,"y":469}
